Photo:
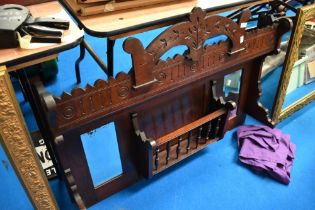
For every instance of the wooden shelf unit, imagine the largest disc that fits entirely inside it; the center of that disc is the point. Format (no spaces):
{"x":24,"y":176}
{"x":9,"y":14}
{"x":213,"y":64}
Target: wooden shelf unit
{"x":181,"y":143}
{"x":162,"y":99}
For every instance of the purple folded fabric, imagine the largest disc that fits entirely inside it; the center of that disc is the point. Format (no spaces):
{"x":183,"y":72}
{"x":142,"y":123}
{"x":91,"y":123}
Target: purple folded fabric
{"x":266,"y":150}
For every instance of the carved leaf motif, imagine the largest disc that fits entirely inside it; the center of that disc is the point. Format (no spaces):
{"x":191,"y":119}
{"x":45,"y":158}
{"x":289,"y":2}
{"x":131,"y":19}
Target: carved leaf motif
{"x":176,"y":34}
{"x":216,"y":25}
{"x":164,"y":43}
{"x":161,"y":77}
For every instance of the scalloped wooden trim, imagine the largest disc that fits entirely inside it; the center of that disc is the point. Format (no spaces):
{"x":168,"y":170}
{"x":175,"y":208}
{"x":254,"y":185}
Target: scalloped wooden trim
{"x":16,"y":142}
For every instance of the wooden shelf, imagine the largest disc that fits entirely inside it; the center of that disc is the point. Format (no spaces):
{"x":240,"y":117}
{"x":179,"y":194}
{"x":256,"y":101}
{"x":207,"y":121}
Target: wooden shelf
{"x":181,"y":143}
{"x":187,"y":128}
{"x":183,"y":154}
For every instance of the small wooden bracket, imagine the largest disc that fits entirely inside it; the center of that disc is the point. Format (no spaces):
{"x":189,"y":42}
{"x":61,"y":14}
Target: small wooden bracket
{"x":74,"y":189}
{"x":141,"y":134}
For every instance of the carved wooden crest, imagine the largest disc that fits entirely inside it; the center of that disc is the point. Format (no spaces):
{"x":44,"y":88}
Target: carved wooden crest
{"x":193,"y":34}
{"x":199,"y":61}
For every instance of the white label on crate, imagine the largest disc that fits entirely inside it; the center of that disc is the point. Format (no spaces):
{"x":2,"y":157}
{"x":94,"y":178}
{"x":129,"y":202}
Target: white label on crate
{"x":44,"y":156}
{"x":244,"y":25}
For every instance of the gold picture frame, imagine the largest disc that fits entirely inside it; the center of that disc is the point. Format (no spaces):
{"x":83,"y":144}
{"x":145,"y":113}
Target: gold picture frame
{"x":16,"y":141}
{"x":303,"y":14}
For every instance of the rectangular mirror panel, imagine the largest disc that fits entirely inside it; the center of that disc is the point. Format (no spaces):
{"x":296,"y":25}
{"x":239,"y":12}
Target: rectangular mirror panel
{"x":231,"y":88}
{"x":102,"y":153}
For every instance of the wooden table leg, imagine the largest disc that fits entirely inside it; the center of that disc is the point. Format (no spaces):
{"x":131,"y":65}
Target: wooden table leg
{"x":16,"y":141}
{"x":85,"y":46}
{"x":78,"y":61}
{"x":110,"y":56}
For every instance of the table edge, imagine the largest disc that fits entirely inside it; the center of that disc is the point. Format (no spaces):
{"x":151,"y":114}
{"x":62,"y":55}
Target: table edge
{"x":142,"y":25}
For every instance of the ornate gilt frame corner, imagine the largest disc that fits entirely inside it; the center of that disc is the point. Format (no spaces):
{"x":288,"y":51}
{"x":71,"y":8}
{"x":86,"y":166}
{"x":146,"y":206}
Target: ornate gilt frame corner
{"x":305,"y":13}
{"x":16,"y":142}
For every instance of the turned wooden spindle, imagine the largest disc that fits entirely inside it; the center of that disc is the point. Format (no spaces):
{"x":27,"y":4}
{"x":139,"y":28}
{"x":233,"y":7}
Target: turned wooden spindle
{"x":178,"y":147}
{"x":217,"y":128}
{"x":188,"y":141}
{"x":208,"y":131}
{"x":198,"y":136}
{"x":168,"y":149}
{"x":157,"y":151}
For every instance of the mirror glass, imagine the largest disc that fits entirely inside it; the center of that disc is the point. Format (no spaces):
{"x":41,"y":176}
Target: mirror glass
{"x":102,"y":153}
{"x":272,"y":70}
{"x":302,"y":79}
{"x":231,"y":88}
{"x":271,"y":74}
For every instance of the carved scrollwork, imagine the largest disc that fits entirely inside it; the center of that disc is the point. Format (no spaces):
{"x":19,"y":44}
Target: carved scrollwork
{"x":68,"y":112}
{"x":150,"y":75}
{"x":192,"y":33}
{"x":123,"y":91}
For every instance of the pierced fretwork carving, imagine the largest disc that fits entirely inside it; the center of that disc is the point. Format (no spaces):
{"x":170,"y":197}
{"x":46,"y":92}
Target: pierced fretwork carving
{"x":193,"y":34}
{"x":104,"y":97}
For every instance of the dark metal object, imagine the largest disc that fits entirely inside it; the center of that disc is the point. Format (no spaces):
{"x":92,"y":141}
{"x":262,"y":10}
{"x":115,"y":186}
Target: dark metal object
{"x":50,"y":22}
{"x":42,"y":31}
{"x":77,"y":62}
{"x":96,"y":58}
{"x":110,"y":56}
{"x":45,"y":39}
{"x":84,"y":45}
{"x":254,"y":9}
{"x":12,"y":17}
{"x":45,"y":30}
{"x":17,"y":18}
